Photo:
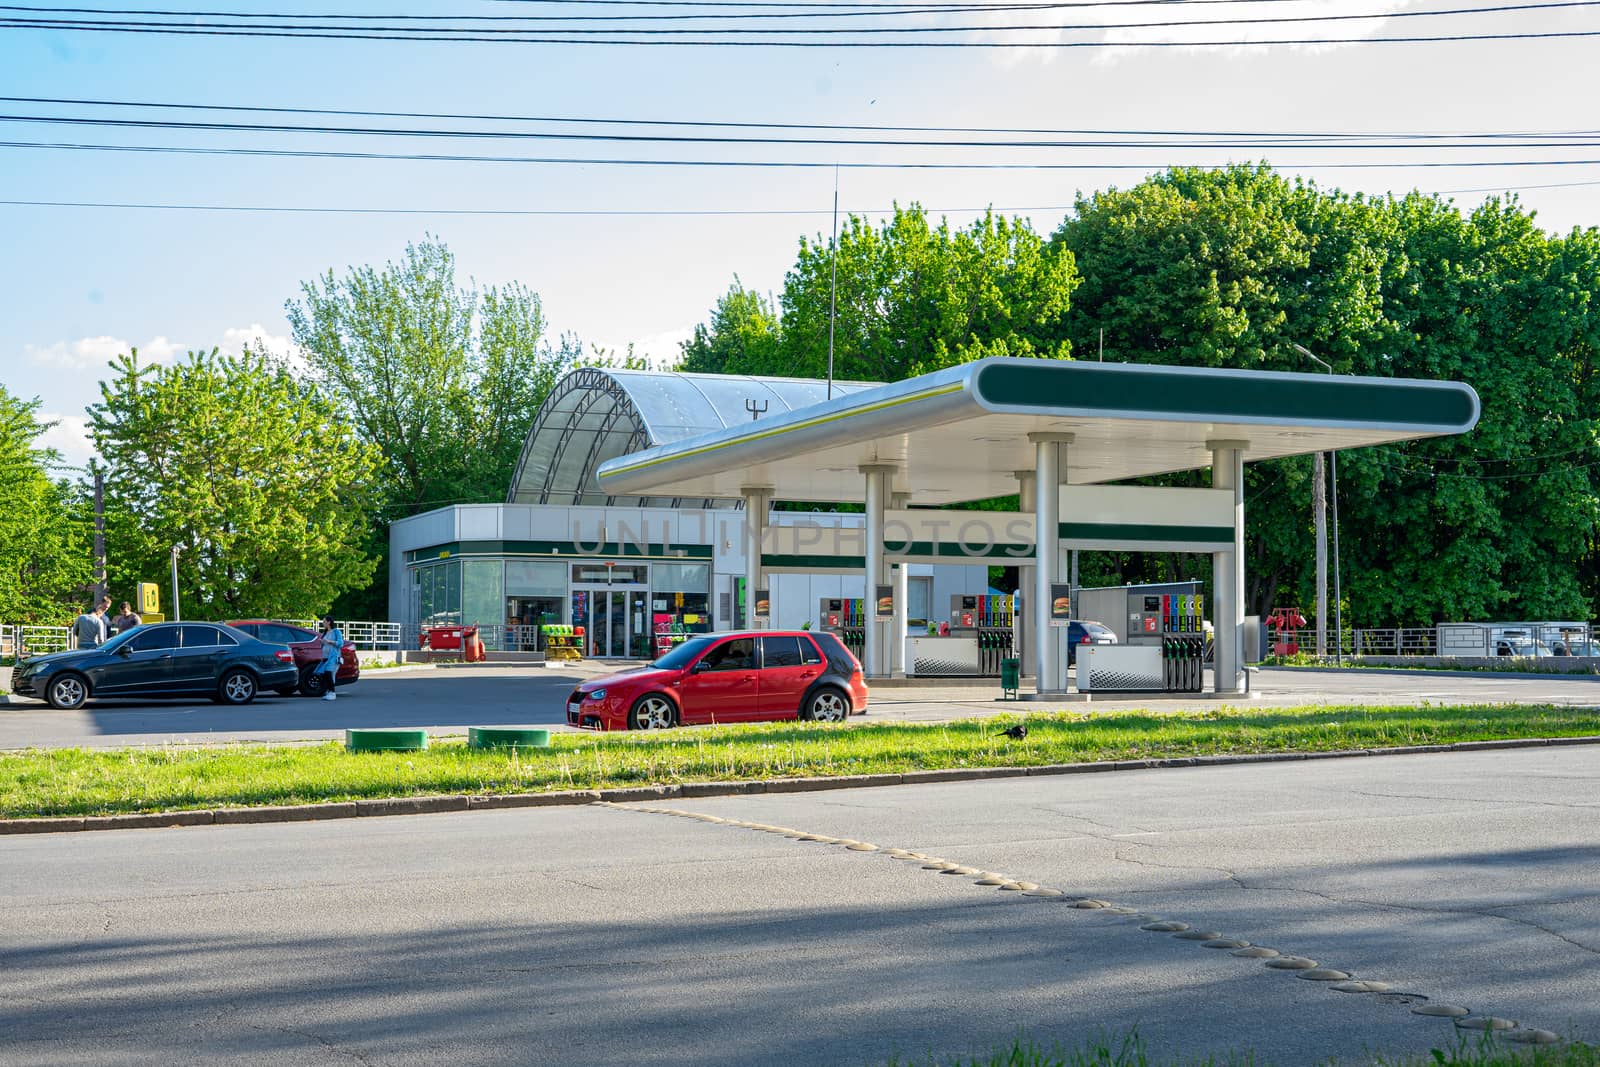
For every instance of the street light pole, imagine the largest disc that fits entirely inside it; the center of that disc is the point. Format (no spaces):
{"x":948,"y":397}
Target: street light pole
{"x":1322,"y":541}
{"x":177,"y":615}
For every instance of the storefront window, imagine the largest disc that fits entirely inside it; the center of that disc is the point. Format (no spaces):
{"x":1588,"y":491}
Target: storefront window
{"x":482,"y":594}
{"x":438,"y":593}
{"x":535,"y":578}
{"x":681,"y":578}
{"x":598,"y":573}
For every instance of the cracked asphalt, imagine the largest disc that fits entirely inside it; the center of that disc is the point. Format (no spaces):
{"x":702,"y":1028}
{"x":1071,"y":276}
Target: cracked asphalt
{"x":611,"y":935}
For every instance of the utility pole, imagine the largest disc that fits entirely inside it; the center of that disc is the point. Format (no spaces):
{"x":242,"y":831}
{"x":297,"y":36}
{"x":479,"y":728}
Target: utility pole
{"x":99,"y":531}
{"x":1322,"y":541}
{"x":1319,"y":518}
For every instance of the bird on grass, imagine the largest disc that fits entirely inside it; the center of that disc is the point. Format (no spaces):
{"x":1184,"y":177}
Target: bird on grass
{"x":1016,"y":733}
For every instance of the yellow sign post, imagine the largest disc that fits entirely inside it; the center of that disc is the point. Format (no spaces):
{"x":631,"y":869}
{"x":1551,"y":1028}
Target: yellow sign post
{"x":150,"y":602}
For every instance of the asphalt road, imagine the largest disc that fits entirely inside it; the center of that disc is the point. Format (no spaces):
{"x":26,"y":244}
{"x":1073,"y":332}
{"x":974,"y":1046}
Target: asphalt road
{"x":448,"y":701}
{"x":607,"y":935}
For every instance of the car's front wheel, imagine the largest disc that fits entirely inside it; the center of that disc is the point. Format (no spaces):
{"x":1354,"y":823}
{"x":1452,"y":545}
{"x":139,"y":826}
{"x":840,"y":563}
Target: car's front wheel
{"x":66,"y":692}
{"x":237,"y":687}
{"x":826,"y":705}
{"x":652,"y":712}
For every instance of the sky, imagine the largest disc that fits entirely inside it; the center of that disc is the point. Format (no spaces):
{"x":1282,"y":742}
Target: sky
{"x":638,"y":254}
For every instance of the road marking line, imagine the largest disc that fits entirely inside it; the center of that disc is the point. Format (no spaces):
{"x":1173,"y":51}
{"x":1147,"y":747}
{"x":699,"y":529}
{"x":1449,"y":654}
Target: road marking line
{"x":1299,"y":966}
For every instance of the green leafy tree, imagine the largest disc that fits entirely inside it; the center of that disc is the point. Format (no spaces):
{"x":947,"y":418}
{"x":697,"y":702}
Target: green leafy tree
{"x":912,"y":297}
{"x":1232,"y":268}
{"x":245,"y":467}
{"x":44,"y":535}
{"x":444,"y":380}
{"x":742,"y":337}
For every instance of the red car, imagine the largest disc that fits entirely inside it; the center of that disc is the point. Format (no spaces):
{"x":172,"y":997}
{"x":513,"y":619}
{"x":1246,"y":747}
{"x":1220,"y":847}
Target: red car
{"x":307,"y":648}
{"x":748,"y":676}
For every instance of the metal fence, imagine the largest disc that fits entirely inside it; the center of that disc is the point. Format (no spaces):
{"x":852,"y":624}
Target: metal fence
{"x":1464,"y":640}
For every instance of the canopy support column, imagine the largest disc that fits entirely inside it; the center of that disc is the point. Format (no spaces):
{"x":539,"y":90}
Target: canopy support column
{"x":757,"y":503}
{"x":879,"y":476}
{"x":1025,"y":571}
{"x":1227,"y":568}
{"x":899,"y":629}
{"x":1050,"y":461}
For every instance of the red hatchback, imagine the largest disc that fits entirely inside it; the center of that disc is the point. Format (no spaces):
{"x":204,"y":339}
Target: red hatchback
{"x":307,"y":648}
{"x":748,"y":676}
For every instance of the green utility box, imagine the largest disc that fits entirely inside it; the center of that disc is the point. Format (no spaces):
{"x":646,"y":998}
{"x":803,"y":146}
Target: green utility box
{"x":506,"y":737}
{"x":1010,"y":678}
{"x":385,"y":740}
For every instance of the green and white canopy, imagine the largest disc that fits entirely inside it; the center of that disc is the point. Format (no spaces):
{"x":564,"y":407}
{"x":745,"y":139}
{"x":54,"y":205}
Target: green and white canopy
{"x":960,"y":433}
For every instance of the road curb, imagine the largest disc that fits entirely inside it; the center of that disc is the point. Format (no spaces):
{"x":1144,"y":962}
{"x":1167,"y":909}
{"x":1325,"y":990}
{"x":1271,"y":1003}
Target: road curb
{"x":631,"y":794}
{"x":1429,"y":672}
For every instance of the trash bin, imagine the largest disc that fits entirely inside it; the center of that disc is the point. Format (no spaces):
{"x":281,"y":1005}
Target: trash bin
{"x":1010,"y":677}
{"x":442,"y":638}
{"x":472,"y":650}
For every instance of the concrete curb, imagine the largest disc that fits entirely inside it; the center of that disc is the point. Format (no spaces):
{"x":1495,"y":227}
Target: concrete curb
{"x":624,"y":795}
{"x":1429,"y":672}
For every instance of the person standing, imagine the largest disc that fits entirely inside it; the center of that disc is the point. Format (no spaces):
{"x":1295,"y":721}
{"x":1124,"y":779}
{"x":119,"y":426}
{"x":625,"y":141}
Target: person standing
{"x":332,"y":651}
{"x":126,"y":620}
{"x":90,"y":629}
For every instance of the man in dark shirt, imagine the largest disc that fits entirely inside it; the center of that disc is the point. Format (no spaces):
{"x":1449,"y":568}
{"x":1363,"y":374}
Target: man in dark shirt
{"x":127,"y":620}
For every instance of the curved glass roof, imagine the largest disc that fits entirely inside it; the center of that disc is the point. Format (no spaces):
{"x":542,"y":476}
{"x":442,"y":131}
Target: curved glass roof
{"x":595,"y":414}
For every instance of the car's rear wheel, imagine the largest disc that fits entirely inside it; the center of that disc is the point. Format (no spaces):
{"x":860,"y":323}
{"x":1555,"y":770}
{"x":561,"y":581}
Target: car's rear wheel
{"x":826,"y":705}
{"x":652,"y":712}
{"x":313,"y":683}
{"x":237,"y":687}
{"x":67,"y":692}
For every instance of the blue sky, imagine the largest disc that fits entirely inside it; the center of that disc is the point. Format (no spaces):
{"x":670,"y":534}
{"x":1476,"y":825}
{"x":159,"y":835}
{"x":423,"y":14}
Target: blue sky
{"x":79,"y":283}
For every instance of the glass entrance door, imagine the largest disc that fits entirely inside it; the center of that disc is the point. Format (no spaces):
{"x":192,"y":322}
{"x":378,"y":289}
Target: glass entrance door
{"x":614,"y":621}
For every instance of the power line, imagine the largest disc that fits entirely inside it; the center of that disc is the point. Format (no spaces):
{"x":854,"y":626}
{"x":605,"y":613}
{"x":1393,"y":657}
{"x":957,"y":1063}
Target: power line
{"x":290,"y":153}
{"x":828,"y":10}
{"x":842,"y":127}
{"x":453,"y":34}
{"x":668,"y":212}
{"x":574,"y":37}
{"x":1263,"y":141}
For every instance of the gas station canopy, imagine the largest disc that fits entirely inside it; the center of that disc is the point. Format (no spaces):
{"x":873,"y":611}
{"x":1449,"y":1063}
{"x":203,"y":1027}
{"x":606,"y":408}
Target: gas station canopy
{"x":960,"y":434}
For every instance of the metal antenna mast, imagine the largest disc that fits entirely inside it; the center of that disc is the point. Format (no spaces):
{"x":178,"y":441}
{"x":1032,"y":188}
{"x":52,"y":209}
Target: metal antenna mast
{"x":833,"y":282}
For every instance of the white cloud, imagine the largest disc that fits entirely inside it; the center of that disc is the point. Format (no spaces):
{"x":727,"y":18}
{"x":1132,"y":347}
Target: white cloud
{"x":1248,"y":34}
{"x":69,"y":437}
{"x":255,"y":336}
{"x":93,"y":353}
{"x":661,"y":349}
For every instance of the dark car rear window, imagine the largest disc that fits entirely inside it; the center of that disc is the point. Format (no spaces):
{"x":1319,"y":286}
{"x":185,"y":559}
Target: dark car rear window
{"x":206,"y":637}
{"x":780,"y":652}
{"x":839,"y":659}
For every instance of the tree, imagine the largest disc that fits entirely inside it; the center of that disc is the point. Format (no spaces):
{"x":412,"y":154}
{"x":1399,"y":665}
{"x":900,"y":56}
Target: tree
{"x":913,"y":298}
{"x":1231,"y":268}
{"x":445,"y":381}
{"x":44,"y":535}
{"x":742,"y":337}
{"x":246,"y":468}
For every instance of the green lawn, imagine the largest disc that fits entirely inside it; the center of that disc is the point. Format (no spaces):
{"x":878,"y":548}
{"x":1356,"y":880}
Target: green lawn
{"x":99,"y":781}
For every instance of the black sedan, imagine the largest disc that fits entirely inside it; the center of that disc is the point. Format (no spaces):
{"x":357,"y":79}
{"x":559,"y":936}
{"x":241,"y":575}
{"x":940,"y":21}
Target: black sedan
{"x":163,"y":659}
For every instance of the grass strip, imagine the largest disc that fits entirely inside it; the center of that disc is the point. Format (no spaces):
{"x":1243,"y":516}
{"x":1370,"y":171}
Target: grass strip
{"x":57,"y":782}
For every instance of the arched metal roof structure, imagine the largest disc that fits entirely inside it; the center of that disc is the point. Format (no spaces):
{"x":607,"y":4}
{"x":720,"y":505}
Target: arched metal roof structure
{"x":595,"y":414}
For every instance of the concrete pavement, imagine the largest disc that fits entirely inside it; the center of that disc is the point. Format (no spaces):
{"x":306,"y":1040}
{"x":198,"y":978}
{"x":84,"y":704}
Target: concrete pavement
{"x":447,"y":701}
{"x":615,"y":936}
